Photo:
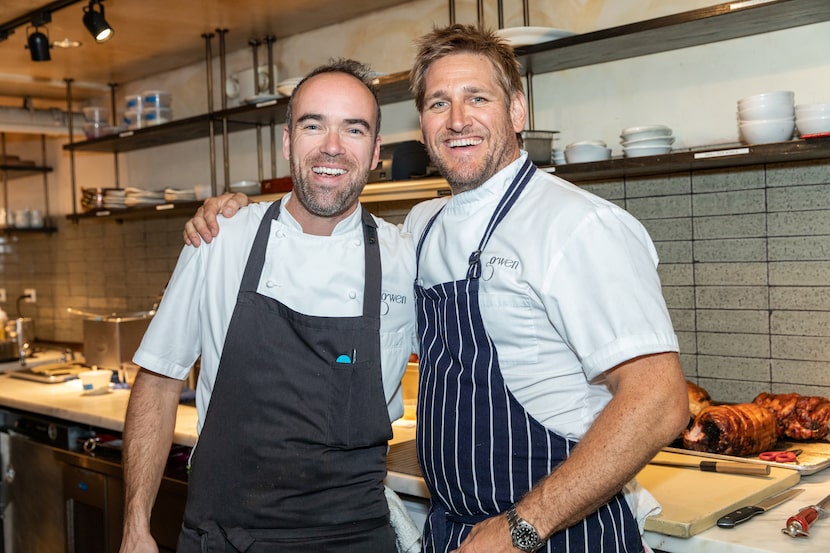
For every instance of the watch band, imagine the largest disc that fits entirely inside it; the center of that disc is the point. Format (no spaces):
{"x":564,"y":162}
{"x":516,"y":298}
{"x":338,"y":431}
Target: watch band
{"x":522,"y":533}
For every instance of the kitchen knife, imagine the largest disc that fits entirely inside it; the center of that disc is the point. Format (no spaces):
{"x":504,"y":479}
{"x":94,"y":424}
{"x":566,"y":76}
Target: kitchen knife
{"x":729,"y":467}
{"x":743,"y":514}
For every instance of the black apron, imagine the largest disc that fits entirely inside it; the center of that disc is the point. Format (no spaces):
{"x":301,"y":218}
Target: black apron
{"x":292,"y":453}
{"x":480,"y":451}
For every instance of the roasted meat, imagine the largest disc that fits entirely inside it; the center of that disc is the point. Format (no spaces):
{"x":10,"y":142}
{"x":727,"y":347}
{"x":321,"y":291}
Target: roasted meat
{"x":797,"y":417}
{"x":741,"y":429}
{"x":698,"y":399}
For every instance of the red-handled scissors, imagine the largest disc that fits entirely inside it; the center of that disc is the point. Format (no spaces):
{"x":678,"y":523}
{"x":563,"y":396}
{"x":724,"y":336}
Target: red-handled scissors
{"x":789,"y":456}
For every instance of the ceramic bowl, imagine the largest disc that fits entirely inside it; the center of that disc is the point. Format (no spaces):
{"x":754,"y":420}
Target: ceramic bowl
{"x":646,"y":150}
{"x":644,"y":131}
{"x":587,"y":151}
{"x":776,"y":97}
{"x":813,"y":125}
{"x":774,"y":110}
{"x":766,"y":131}
{"x":649,"y":141}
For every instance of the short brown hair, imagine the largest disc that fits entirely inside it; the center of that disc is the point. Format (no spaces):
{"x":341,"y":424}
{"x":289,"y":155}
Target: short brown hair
{"x":360,"y":71}
{"x":457,"y":39}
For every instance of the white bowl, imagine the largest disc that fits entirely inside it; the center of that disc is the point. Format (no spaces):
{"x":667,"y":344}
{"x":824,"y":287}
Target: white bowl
{"x":778,"y":96}
{"x":766,"y":111}
{"x":580,"y":143}
{"x":649,"y":141}
{"x":583,"y":153}
{"x":287,"y":86}
{"x":645,"y":131}
{"x":810,"y":110}
{"x":641,"y":151}
{"x":96,"y":382}
{"x":766,"y":131}
{"x":813,"y":125}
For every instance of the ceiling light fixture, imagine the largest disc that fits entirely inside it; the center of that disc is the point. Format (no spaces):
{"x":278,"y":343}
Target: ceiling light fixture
{"x":37,"y":42}
{"x":95,"y":23}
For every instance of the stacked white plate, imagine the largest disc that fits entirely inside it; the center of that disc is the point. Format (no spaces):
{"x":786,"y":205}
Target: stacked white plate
{"x":767,"y":117}
{"x":812,"y":119}
{"x":646,"y":140}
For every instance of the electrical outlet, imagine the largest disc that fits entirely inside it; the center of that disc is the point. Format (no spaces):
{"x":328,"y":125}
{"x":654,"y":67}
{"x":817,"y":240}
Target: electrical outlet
{"x":2,"y":295}
{"x":32,"y":293}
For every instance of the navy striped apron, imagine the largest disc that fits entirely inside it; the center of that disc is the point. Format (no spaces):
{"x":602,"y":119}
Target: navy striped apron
{"x":479,"y":450}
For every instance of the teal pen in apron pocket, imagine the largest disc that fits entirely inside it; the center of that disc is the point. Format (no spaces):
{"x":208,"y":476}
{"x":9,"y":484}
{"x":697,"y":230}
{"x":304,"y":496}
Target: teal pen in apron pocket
{"x":346,"y":359}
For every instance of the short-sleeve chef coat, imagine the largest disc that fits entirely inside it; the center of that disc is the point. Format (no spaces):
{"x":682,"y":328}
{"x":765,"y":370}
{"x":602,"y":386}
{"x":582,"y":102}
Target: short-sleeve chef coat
{"x":315,"y":275}
{"x":569,"y":289}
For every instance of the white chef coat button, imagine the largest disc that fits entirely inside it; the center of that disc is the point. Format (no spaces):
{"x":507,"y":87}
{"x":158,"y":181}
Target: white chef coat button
{"x":279,"y":234}
{"x":271,"y":284}
{"x":352,"y":294}
{"x":358,"y":242}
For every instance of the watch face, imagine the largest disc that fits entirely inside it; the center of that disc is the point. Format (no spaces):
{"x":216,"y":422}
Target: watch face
{"x":525,"y":537}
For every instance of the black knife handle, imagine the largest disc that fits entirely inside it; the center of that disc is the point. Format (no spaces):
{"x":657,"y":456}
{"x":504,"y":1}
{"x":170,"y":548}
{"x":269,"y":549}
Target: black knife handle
{"x":738,"y":516}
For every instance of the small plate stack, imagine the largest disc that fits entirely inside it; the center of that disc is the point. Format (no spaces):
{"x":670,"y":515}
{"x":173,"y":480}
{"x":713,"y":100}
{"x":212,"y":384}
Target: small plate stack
{"x":646,"y":140}
{"x":812,"y":120}
{"x":767,"y":117}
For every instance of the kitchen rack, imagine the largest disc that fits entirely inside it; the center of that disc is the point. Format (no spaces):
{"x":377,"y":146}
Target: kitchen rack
{"x":21,"y":170}
{"x":691,"y":28}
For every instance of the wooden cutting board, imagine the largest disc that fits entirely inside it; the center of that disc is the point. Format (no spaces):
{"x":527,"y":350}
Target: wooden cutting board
{"x":694,"y":500}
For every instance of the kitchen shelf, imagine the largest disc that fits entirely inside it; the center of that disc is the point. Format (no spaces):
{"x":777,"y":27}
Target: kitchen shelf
{"x":131,"y":213}
{"x":713,"y":157}
{"x":691,"y":28}
{"x":49,"y":229}
{"x":23,"y":171}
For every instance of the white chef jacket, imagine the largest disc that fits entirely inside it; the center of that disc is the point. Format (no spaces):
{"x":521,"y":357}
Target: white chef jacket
{"x":314,"y":275}
{"x":569,"y":289}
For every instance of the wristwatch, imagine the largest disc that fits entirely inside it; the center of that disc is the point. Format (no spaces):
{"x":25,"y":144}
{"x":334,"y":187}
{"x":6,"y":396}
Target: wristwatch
{"x":524,"y":535}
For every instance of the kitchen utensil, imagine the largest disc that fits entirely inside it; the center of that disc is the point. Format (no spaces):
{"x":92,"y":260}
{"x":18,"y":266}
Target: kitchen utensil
{"x":728,"y":467}
{"x":798,"y":525}
{"x":789,"y":456}
{"x":743,"y":514}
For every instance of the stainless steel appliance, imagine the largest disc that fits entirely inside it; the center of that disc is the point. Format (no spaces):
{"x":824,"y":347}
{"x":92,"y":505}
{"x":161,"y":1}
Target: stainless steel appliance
{"x":111,"y":341}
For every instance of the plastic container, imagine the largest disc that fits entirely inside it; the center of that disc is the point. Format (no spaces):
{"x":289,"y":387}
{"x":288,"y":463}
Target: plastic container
{"x":157,"y":115}
{"x":96,"y":382}
{"x":133,"y":119}
{"x":96,"y":115}
{"x":135,"y":102}
{"x":157,"y":98}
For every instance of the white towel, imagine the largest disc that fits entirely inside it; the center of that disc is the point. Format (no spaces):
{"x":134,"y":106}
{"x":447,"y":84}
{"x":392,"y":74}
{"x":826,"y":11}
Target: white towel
{"x":408,"y":534}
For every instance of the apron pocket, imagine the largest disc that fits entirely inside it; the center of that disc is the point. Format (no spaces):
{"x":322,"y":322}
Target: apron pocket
{"x":358,"y":415}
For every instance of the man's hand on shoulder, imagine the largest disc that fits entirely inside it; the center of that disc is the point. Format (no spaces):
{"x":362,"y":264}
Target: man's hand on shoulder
{"x":203,"y":225}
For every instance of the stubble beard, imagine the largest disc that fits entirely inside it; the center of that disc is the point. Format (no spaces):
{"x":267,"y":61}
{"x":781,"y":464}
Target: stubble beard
{"x":464,"y":176}
{"x":328,"y":202}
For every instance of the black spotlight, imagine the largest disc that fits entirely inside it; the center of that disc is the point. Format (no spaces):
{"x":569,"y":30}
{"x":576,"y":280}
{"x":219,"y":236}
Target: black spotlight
{"x":38,"y":45}
{"x":95,"y":23}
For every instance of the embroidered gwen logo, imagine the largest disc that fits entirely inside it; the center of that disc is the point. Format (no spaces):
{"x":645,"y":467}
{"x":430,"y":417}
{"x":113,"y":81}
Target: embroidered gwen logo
{"x":496,"y":261}
{"x":387,"y":297}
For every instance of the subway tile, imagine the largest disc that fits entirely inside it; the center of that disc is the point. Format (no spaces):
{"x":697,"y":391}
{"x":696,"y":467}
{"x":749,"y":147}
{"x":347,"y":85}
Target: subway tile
{"x":798,"y":223}
{"x":679,"y":297}
{"x":610,"y":190}
{"x":683,"y":320}
{"x":799,"y":298}
{"x":733,"y":249}
{"x":733,"y":321}
{"x":676,"y":274}
{"x":798,"y":198}
{"x":719,"y":180}
{"x":733,"y":391}
{"x":799,"y":248}
{"x":807,"y":172}
{"x":787,"y":388}
{"x":662,"y":207}
{"x":736,"y":368}
{"x":686,"y":341}
{"x":805,"y":348}
{"x":800,"y":323}
{"x":679,"y":228}
{"x":730,"y":226}
{"x":674,"y":252}
{"x":729,"y":203}
{"x":789,"y":371}
{"x":676,"y":184}
{"x":688,"y":362}
{"x":733,"y":344}
{"x":731,"y":297}
{"x":799,"y":273}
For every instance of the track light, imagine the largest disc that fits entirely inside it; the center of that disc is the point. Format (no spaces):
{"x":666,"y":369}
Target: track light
{"x":38,"y":45}
{"x":95,"y":23}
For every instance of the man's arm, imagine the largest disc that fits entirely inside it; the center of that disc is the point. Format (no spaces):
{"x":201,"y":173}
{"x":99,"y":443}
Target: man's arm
{"x":148,"y":436}
{"x":203,"y":225}
{"x":648,"y":410}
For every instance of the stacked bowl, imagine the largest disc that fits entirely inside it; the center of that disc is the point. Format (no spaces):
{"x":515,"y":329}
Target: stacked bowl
{"x":586,"y":151}
{"x":767,"y":117}
{"x":812,"y":119}
{"x":646,"y":140}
